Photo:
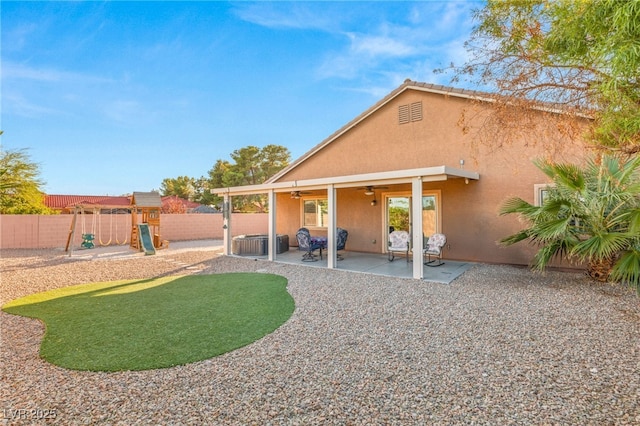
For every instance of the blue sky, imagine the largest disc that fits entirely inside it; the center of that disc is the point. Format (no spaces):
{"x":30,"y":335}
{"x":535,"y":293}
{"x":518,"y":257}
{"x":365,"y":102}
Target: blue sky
{"x":113,"y":97}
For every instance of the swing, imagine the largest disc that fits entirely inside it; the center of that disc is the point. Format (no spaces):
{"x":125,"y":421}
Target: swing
{"x":126,"y":232}
{"x":87,"y":239}
{"x":102,"y":243}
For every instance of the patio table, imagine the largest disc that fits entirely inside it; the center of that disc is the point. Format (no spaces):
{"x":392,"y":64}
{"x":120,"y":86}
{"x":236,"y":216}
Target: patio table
{"x":320,"y":241}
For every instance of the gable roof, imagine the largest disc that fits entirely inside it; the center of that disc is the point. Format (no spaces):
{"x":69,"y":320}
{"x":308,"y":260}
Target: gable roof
{"x":407,"y":85}
{"x":433,"y":173}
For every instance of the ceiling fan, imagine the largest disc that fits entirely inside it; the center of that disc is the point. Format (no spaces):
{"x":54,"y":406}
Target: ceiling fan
{"x":298,"y":194}
{"x":369,"y":190}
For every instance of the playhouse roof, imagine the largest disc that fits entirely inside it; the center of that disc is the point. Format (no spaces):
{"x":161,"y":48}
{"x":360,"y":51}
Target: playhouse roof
{"x":146,"y":199}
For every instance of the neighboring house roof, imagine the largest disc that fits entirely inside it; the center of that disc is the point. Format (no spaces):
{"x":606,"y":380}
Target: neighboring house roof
{"x":70,"y":201}
{"x":146,"y":199}
{"x":174,"y":198}
{"x":205,"y":209}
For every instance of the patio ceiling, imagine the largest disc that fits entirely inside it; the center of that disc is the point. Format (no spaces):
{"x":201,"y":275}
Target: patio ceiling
{"x":427,"y":174}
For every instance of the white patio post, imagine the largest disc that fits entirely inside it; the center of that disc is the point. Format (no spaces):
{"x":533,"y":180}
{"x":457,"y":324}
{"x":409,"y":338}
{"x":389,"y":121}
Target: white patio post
{"x":332,"y":258}
{"x":416,"y":227}
{"x":273,"y":238}
{"x":226,"y":225}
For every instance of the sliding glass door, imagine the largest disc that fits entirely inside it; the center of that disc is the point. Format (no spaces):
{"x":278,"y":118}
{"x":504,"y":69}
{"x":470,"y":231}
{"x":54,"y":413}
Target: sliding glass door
{"x":399,"y":218}
{"x":398,"y":213}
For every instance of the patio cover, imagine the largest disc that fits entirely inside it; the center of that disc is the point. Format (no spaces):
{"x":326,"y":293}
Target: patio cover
{"x":414,"y":176}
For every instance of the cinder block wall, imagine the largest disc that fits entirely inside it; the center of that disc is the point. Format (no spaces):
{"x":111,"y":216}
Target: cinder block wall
{"x":52,"y":231}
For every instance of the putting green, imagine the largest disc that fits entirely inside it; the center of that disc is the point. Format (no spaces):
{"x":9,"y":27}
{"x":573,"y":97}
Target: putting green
{"x":155,"y":323}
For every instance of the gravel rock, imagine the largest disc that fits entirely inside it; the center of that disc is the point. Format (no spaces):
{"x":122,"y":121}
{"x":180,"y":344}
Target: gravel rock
{"x":499,"y":345}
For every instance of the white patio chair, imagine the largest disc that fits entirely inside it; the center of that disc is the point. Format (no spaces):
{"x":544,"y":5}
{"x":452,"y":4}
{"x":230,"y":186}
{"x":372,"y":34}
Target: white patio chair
{"x":398,"y":244}
{"x":433,"y":247}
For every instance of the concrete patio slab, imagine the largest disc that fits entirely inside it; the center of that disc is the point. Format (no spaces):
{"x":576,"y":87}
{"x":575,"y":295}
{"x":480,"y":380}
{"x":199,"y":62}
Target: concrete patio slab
{"x":379,"y":264}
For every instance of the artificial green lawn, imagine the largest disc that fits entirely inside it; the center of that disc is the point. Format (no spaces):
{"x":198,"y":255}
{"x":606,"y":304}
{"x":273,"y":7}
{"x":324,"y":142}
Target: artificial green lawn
{"x":155,"y":323}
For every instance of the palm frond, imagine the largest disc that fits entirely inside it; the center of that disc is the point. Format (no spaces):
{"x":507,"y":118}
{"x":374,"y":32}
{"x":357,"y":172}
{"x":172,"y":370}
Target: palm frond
{"x":556,"y":207}
{"x":624,"y":219}
{"x":601,"y":246}
{"x":556,"y":249}
{"x":516,"y":205}
{"x":628,"y":170}
{"x":552,"y":229}
{"x":634,"y":221}
{"x":627,"y":269}
{"x":515,"y":238}
{"x":569,"y":176}
{"x":633,"y":188}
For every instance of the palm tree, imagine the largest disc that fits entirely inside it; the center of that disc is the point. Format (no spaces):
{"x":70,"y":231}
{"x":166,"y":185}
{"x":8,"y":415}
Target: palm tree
{"x":590,"y":214}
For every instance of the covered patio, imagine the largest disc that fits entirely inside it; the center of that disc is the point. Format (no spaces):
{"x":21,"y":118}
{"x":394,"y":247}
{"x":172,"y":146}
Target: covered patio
{"x":377,"y":264}
{"x":413,"y":178}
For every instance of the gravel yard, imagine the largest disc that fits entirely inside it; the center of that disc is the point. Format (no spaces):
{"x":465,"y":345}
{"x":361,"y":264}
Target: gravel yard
{"x":498,"y":346}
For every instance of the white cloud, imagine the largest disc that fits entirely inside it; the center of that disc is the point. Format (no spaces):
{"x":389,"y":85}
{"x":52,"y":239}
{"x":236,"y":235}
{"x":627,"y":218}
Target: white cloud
{"x":14,"y":71}
{"x":17,"y":71}
{"x":286,"y":15}
{"x":378,"y":39}
{"x":378,"y":46}
{"x":15,"y":103}
{"x":16,"y":38}
{"x":124,"y":111}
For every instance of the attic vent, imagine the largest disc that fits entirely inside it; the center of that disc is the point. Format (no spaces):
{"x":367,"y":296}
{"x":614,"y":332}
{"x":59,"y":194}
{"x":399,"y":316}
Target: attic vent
{"x":410,"y":112}
{"x":404,"y":115}
{"x":416,"y":111}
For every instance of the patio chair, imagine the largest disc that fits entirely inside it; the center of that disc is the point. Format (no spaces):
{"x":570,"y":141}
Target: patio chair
{"x":342,"y":235}
{"x":433,"y":247}
{"x":305,"y":244}
{"x":398,"y":243}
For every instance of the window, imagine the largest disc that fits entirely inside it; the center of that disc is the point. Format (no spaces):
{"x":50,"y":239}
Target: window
{"x":540,"y":193}
{"x":314,"y":213}
{"x":410,"y":112}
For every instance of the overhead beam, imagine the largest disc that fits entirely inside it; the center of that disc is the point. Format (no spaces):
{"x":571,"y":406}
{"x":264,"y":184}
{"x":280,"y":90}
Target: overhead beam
{"x":437,"y":173}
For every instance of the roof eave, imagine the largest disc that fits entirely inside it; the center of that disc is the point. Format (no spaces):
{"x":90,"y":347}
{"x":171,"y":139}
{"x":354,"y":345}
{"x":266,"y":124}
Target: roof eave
{"x":428,"y":174}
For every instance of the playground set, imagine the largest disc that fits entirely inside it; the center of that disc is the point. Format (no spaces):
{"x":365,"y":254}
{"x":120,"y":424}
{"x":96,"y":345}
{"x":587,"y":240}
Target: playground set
{"x":144,"y":234}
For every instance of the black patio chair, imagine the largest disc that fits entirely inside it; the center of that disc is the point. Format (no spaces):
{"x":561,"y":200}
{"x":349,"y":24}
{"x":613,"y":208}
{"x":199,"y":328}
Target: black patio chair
{"x":305,"y":244}
{"x":341,"y":237}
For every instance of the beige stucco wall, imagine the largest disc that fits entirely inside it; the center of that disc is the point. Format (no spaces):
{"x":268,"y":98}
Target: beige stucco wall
{"x":469,"y":211}
{"x":52,"y":231}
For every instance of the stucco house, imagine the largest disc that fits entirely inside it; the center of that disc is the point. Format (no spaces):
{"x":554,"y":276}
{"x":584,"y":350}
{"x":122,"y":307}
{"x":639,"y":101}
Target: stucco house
{"x":410,"y":146}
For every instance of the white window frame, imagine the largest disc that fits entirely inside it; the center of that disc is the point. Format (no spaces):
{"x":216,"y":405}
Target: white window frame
{"x":318,"y":213}
{"x":538,"y":192}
